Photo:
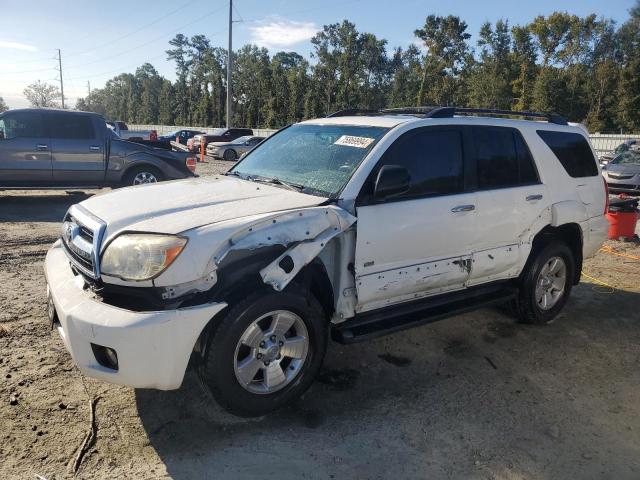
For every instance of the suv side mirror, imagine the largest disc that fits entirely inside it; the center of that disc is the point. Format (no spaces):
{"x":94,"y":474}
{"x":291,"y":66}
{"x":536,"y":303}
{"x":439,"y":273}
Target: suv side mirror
{"x":392,"y":180}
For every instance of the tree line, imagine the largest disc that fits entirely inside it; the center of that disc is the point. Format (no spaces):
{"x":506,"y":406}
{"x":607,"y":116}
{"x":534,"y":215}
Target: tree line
{"x":586,"y":68}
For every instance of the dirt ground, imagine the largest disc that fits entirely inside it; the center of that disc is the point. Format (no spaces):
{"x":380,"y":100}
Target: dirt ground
{"x":475,"y":396}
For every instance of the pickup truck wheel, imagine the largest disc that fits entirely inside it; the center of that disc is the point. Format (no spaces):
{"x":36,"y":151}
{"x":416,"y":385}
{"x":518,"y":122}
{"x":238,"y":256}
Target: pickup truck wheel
{"x":142,"y":175}
{"x":546,"y":284}
{"x":230,"y":155}
{"x":265,"y":352}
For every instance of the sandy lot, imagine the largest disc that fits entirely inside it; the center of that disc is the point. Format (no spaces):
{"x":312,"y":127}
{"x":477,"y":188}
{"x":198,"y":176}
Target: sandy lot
{"x":475,"y":396}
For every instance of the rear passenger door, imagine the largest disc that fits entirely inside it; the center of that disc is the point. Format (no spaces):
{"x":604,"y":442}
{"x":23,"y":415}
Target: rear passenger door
{"x":77,"y":149}
{"x":25,"y":155}
{"x":417,"y":243}
{"x":510,"y":197}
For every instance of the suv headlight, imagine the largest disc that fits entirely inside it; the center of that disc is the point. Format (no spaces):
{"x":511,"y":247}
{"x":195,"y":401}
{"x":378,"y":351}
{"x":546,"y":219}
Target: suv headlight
{"x":141,"y":256}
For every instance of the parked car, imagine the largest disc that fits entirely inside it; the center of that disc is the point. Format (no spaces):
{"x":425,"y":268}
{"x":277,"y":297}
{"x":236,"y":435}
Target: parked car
{"x":123,"y":131}
{"x":361,"y":225}
{"x":623,"y":173}
{"x":233,"y":150}
{"x":218,"y":135}
{"x":181,"y":136}
{"x":623,"y":147}
{"x":41,"y":148}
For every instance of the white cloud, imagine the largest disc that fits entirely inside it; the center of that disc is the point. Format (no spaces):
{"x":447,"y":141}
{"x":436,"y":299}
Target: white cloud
{"x":278,"y":32}
{"x":18,"y":46}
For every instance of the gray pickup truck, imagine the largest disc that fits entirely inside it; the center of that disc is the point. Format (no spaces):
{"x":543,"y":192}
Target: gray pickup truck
{"x":41,"y":148}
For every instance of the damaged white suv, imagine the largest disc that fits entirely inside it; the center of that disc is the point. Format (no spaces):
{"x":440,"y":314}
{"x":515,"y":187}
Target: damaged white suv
{"x":356,"y":224}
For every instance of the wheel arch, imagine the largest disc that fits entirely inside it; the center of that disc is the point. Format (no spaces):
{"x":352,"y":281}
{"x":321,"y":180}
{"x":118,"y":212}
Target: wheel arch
{"x":570,"y":234}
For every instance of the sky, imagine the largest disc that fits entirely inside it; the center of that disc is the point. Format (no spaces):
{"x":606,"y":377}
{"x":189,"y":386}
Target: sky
{"x":99,"y":40}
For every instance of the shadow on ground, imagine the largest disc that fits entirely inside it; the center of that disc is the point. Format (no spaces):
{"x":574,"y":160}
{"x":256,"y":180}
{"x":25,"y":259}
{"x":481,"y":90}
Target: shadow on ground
{"x":476,"y":396}
{"x":37,"y":208}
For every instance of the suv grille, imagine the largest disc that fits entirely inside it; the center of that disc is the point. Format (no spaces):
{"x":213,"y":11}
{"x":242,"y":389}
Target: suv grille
{"x":622,"y":186}
{"x":81,"y":237}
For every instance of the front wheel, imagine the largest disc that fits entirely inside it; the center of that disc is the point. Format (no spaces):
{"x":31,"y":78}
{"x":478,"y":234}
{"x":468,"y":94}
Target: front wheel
{"x":265,"y":352}
{"x":546,"y":284}
{"x":142,"y":175}
{"x":230,"y":155}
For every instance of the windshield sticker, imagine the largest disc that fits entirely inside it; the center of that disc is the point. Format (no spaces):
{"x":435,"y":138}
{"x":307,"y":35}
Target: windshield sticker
{"x":351,"y":141}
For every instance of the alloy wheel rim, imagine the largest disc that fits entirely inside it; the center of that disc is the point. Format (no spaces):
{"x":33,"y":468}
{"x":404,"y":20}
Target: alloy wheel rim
{"x":144,"y":177}
{"x":271,"y":352}
{"x":551,"y":283}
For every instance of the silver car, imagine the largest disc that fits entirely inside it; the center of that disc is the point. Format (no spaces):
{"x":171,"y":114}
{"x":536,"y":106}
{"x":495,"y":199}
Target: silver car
{"x":234,"y":149}
{"x":623,"y":173}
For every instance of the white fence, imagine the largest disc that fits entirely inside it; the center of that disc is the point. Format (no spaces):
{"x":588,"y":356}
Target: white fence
{"x":602,"y":142}
{"x":605,"y":142}
{"x":164,"y":129}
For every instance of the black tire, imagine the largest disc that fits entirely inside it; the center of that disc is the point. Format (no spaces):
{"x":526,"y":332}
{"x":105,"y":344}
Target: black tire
{"x":230,"y":155}
{"x":129,"y":178}
{"x":527,"y":308}
{"x":217,"y":369}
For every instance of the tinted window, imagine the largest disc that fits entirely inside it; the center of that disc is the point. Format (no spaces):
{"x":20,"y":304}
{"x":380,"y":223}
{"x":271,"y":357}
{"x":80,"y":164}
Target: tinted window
{"x":22,"y":124}
{"x":70,"y":126}
{"x":573,"y":151}
{"x":434,"y":159}
{"x":503,"y":158}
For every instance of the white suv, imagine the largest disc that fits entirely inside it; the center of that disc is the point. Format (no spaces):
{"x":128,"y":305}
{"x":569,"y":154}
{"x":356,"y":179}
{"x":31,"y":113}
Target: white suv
{"x":354,"y":224}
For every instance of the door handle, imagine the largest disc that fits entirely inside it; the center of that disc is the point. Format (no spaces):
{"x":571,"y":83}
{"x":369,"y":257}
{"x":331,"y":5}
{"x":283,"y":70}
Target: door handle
{"x":94,"y":148}
{"x":463,"y":208}
{"x":531,"y":198}
{"x":42,"y":146}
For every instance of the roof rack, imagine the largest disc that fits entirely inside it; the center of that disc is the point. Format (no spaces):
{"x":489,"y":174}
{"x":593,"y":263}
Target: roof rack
{"x":448,"y":112}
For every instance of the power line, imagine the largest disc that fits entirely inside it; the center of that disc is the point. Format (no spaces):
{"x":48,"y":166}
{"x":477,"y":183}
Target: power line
{"x":153,"y":40}
{"x":117,"y":39}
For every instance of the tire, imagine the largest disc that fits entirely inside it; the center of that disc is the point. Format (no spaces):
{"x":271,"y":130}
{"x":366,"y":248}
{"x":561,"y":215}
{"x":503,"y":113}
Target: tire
{"x":230,"y":155}
{"x":136,"y":176}
{"x":542,"y":276}
{"x":226,"y":352}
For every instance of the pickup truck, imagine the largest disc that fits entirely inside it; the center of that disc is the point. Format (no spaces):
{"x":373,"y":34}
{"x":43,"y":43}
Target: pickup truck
{"x":123,"y":131}
{"x":68,"y":149}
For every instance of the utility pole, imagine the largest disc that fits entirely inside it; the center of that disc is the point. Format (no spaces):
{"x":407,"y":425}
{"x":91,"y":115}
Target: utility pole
{"x":229,"y":65}
{"x":88,"y":88}
{"x":61,"y":85}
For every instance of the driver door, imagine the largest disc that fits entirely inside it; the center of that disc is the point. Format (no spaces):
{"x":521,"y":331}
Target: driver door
{"x":417,"y":243}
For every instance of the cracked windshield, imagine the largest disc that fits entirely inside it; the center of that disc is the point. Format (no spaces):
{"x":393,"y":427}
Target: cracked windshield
{"x":315,"y":159}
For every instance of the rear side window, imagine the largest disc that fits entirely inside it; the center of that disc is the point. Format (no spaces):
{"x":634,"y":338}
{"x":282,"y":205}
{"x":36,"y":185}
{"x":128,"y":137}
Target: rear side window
{"x":70,"y":126}
{"x":503,"y":158}
{"x":573,"y":152}
{"x":22,"y":124}
{"x":434,"y":159}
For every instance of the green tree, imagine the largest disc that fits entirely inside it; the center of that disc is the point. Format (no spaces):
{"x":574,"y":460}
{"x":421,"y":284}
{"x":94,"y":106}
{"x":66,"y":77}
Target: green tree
{"x":3,"y":105}
{"x":445,"y":40}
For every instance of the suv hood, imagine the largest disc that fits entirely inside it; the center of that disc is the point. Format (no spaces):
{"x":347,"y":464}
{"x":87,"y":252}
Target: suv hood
{"x":626,"y":168}
{"x":177,"y":206}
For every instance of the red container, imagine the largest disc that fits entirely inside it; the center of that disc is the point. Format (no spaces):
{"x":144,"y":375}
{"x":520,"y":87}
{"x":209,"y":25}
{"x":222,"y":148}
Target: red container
{"x":622,"y":224}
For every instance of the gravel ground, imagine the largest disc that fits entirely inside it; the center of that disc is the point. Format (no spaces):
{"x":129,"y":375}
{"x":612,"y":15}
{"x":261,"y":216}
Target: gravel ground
{"x":475,"y":396}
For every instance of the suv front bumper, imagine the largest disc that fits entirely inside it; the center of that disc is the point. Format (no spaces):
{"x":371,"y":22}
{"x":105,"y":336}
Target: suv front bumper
{"x":153,"y":348}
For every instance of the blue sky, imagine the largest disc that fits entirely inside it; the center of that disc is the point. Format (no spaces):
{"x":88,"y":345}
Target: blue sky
{"x":101,"y":39}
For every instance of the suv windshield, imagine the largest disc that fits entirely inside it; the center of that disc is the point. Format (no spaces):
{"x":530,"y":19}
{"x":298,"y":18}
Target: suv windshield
{"x":319,"y":159}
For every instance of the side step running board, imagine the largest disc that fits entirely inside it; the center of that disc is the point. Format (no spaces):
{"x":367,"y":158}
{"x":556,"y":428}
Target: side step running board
{"x":393,"y":319}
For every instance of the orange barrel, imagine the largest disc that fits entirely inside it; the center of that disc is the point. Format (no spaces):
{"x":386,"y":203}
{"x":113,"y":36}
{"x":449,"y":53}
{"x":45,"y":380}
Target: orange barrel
{"x":622,"y":224}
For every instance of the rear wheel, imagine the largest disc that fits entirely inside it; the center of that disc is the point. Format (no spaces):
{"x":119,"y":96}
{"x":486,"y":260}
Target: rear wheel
{"x":142,"y":175}
{"x":546,"y":284}
{"x":230,"y":155}
{"x":265,"y":352}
